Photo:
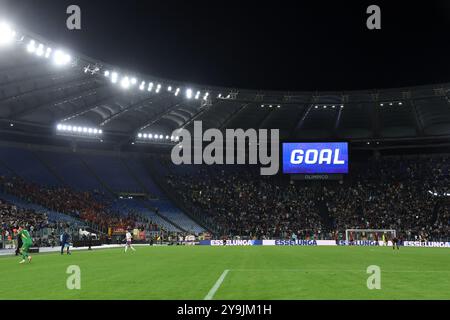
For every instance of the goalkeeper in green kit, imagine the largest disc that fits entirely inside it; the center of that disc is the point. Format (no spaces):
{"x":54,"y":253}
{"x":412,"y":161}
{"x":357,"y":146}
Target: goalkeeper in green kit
{"x":26,"y":240}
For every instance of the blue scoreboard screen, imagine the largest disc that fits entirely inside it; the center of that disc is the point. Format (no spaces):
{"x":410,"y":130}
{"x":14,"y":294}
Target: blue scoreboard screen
{"x":315,"y":157}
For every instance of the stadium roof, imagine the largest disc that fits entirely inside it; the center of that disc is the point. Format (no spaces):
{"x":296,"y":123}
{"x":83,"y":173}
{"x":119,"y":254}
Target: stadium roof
{"x":45,"y":90}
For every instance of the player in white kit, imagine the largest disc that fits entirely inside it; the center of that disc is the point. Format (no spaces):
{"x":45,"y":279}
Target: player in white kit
{"x":128,"y":245}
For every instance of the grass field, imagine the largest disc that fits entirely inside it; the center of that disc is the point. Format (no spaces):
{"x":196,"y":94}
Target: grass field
{"x":187,"y":272}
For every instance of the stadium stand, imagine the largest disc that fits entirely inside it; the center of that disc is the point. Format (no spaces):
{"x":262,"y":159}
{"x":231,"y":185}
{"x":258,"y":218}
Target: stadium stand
{"x":84,"y":143}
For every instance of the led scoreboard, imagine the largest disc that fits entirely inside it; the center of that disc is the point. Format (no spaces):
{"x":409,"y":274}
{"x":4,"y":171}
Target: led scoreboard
{"x":315,"y":158}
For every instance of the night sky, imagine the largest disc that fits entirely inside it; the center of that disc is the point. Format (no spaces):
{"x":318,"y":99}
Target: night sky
{"x":279,"y":45}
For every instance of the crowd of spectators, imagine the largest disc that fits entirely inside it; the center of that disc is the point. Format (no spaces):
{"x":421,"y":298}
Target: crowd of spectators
{"x":407,"y":195}
{"x":95,"y":209}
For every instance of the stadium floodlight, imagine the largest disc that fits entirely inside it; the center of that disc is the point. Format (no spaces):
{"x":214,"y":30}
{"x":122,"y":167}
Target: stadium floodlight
{"x":189,"y":93}
{"x":133,"y":81}
{"x":172,"y":138}
{"x":90,"y":130}
{"x":107,"y":73}
{"x":278,"y":106}
{"x":197,"y":95}
{"x":31,"y":47}
{"x":142,"y":86}
{"x":177,"y":92}
{"x":161,"y":136}
{"x":139,"y":135}
{"x":63,"y":127}
{"x":270,"y":106}
{"x":145,"y":136}
{"x":48,"y":52}
{"x":40,"y":50}
{"x":125,"y":83}
{"x":6,"y":34}
{"x":342,"y":107}
{"x":59,"y":127}
{"x":114,"y":77}
{"x":100,"y":131}
{"x":69,"y":128}
{"x":150,"y":86}
{"x":61,"y":58}
{"x":158,"y":88}
{"x":400,"y":103}
{"x":150,"y":136}
{"x":169,"y":88}
{"x":95,"y":131}
{"x":85,"y":130}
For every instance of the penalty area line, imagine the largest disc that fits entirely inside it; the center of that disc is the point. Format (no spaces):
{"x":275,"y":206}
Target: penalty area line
{"x":216,"y":286}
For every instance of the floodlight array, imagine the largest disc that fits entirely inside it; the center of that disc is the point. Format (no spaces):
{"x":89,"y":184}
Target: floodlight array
{"x":156,"y":137}
{"x":127,"y":82}
{"x":59,"y":57}
{"x":391,"y":103}
{"x":329,"y":106}
{"x":7,"y":34}
{"x":78,"y":130}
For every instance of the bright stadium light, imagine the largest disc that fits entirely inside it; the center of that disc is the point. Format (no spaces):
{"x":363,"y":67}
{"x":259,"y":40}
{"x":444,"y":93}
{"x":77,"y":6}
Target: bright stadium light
{"x":139,"y":135}
{"x":6,"y":34}
{"x":142,"y":86}
{"x":59,"y":127}
{"x":125,"y":83}
{"x":114,"y":77}
{"x":133,"y":81}
{"x":197,"y":95}
{"x":189,"y":93}
{"x":106,"y":73}
{"x":40,"y":50}
{"x":150,"y":136}
{"x":167,"y":137}
{"x":158,"y":88}
{"x":150,"y":86}
{"x":31,"y":47}
{"x":169,"y":88}
{"x":61,"y":58}
{"x":48,"y":52}
{"x":177,"y":92}
{"x":161,"y":136}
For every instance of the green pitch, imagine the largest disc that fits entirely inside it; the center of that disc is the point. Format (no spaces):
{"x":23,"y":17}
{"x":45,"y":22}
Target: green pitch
{"x":187,"y":272}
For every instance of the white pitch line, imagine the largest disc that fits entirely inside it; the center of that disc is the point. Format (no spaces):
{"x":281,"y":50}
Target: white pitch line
{"x":216,"y":286}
